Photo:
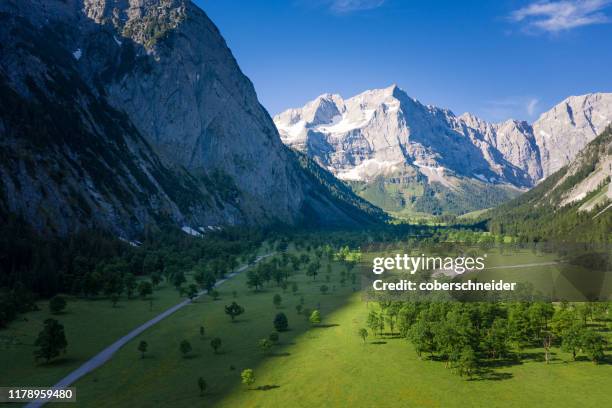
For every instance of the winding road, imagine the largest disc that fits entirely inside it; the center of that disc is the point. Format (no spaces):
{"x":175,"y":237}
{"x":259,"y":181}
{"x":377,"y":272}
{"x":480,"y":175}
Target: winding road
{"x":106,"y":354}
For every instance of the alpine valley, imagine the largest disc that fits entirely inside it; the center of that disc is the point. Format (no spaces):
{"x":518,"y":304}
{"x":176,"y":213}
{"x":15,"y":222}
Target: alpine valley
{"x":411,"y":159}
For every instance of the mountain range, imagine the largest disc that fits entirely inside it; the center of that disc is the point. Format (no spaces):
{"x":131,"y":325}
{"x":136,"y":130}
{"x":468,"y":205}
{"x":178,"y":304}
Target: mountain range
{"x":572,"y":204}
{"x":125,"y":114}
{"x":408,"y":157}
{"x":116,"y":115}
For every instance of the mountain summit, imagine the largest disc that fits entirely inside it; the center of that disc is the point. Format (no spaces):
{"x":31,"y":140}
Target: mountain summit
{"x":417,"y":154}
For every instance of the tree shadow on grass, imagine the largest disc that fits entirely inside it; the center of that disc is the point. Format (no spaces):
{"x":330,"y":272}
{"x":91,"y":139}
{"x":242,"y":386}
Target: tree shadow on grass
{"x":607,"y":360}
{"x":267,"y":387}
{"x":499,"y":363}
{"x":325,"y":326}
{"x":241,"y":320}
{"x":58,"y":362}
{"x":283,"y":354}
{"x":533,"y":356}
{"x":378,"y":342}
{"x":392,"y":335}
{"x":491,"y":375}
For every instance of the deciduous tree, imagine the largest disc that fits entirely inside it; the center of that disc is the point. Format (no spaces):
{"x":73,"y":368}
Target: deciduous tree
{"x":234,"y":310}
{"x":215,"y":344}
{"x":280,"y":322}
{"x":51,"y":341}
{"x":185,"y":347}
{"x":142,"y":347}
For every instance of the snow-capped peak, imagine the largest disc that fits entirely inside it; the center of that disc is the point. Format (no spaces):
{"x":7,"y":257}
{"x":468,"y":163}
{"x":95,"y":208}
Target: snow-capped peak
{"x":375,"y":130}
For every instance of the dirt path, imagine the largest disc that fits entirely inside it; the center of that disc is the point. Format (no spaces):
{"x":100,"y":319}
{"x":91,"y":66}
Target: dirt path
{"x":106,"y":354}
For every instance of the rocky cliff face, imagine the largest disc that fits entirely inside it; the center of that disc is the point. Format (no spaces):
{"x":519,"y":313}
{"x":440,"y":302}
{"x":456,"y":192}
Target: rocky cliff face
{"x":120,"y":113}
{"x":384,"y":134}
{"x":383,"y":129}
{"x":564,"y":130}
{"x":573,"y":204}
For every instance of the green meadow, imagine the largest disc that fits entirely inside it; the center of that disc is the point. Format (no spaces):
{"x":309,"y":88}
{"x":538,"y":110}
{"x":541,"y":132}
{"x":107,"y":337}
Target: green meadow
{"x":323,"y":365}
{"x":90,"y":326}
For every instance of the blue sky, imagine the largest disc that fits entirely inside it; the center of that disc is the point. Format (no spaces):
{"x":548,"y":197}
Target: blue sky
{"x":497,"y":59}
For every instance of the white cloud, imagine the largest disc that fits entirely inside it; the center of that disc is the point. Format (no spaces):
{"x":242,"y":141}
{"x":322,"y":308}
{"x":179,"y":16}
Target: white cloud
{"x":531,"y":106}
{"x":556,"y":16}
{"x":347,"y":6}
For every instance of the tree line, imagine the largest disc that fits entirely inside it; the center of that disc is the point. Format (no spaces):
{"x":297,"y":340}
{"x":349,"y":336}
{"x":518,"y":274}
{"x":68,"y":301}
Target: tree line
{"x":466,"y":335}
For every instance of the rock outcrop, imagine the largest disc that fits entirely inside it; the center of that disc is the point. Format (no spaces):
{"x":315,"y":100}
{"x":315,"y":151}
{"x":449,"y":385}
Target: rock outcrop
{"x":121,"y":113}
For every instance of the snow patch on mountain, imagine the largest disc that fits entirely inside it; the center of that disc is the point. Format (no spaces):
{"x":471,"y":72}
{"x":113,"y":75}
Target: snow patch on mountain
{"x":379,"y":130}
{"x":369,"y":169}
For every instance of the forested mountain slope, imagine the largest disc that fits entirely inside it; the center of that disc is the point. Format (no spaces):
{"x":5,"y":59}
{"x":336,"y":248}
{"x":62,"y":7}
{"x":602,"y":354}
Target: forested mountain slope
{"x":573,"y":204}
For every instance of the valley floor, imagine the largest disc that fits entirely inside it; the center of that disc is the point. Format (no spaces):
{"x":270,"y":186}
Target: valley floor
{"x":328,"y":365}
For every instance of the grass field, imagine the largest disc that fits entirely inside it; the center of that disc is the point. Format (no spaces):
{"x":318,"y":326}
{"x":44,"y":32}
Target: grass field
{"x":320,"y":366}
{"x":90,"y":325}
{"x":311,"y":366}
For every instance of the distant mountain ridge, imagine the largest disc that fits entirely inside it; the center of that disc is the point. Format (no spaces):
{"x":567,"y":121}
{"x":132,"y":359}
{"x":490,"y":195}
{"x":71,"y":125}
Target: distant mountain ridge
{"x":120,"y":114}
{"x":385,"y":138}
{"x":573,"y":204}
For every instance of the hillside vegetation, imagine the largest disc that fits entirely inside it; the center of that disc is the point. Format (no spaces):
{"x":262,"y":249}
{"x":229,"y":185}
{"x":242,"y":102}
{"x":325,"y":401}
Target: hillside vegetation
{"x":555,"y":210}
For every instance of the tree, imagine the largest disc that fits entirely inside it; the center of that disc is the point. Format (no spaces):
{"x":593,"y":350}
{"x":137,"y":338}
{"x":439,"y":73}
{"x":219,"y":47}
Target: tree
{"x":277,"y":300}
{"x":201,"y":385}
{"x":372,"y":321}
{"x":324,"y":289}
{"x":315,"y":317}
{"x":563,"y":320}
{"x":467,"y":362}
{"x":294,"y":288}
{"x":280,"y":322}
{"x":391,"y":322}
{"x":214,"y":294}
{"x":518,"y":326}
{"x":273,"y":337}
{"x":51,"y":341}
{"x":254,"y":279}
{"x":363,"y":333}
{"x":593,"y":345}
{"x":156,"y":278}
{"x":192,"y":291}
{"x":313,"y":270}
{"x":234,"y":310}
{"x":206,"y":279}
{"x":571,"y":338}
{"x":130,"y":284}
{"x":215,"y":344}
{"x":495,"y":340}
{"x":248,"y":377}
{"x":185,"y":347}
{"x":145,"y":289}
{"x":298,"y":309}
{"x":178,"y":279}
{"x":57,"y":304}
{"x":142,"y":347}
{"x":265,"y":345}
{"x":422,"y":336}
